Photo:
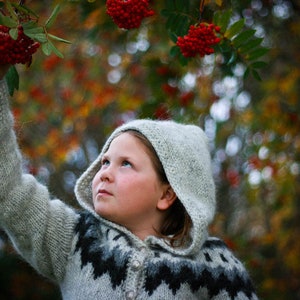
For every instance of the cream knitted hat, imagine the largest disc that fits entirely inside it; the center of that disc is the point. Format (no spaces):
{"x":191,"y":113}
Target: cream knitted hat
{"x":184,"y":153}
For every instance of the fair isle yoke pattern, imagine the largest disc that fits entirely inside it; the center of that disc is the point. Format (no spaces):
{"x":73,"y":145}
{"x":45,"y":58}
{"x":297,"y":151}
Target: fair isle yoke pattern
{"x":212,"y":275}
{"x":92,"y":258}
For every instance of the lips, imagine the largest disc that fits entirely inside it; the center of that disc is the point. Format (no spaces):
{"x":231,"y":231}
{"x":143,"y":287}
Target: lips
{"x":103,"y":192}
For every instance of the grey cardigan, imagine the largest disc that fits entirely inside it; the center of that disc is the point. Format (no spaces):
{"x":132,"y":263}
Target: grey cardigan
{"x":92,"y":258}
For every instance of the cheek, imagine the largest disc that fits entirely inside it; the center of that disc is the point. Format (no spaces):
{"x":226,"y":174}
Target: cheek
{"x":124,"y":183}
{"x":135,"y":184}
{"x":127,"y":184}
{"x":95,"y":180}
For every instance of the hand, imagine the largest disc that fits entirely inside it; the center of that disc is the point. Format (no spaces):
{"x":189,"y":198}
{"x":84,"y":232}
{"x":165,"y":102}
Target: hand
{"x":3,"y":70}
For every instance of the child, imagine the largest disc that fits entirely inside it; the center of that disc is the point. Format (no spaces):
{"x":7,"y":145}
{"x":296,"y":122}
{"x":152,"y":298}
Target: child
{"x":148,"y":199}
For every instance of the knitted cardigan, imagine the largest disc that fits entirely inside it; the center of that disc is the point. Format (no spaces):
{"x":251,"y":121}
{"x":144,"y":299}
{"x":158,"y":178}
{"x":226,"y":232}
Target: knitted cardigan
{"x":92,"y":258}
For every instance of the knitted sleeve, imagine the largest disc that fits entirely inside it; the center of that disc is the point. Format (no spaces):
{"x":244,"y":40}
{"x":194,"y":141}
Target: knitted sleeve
{"x":225,"y":275}
{"x":40,"y":229}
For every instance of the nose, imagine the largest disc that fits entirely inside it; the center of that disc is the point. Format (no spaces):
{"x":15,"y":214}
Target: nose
{"x":106,"y":174}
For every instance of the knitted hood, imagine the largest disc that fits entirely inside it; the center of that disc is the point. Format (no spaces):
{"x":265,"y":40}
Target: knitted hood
{"x":184,"y":153}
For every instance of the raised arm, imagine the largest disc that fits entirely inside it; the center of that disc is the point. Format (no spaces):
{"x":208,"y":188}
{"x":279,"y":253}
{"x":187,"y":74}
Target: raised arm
{"x":41,"y":229}
{"x":10,"y":160}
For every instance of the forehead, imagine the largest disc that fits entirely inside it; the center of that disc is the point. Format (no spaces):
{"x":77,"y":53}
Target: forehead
{"x":125,"y":141}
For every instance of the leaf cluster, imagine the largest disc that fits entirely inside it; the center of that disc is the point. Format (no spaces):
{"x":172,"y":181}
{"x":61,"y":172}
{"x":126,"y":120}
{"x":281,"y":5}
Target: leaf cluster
{"x":240,"y":44}
{"x":14,"y":15}
{"x":19,"y":14}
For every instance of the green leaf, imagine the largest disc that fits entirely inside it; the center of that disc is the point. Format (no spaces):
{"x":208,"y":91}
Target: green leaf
{"x":54,"y":37}
{"x":246,"y":74}
{"x":12,"y":79}
{"x":253,"y":43}
{"x":259,"y":65}
{"x":255,"y":75}
{"x":181,"y":5}
{"x":183,"y":60}
{"x":232,"y":58}
{"x":179,"y":24}
{"x":235,"y":28}
{"x":29,"y":25}
{"x":25,"y":9}
{"x":257,"y":53}
{"x":33,"y":30}
{"x":46,"y":48}
{"x":11,"y":10}
{"x":171,"y":22}
{"x":174,"y":51}
{"x":7,"y":21}
{"x":183,"y":25}
{"x":170,"y":4}
{"x":40,"y":37}
{"x":242,"y":37}
{"x":173,"y":37}
{"x":13,"y":32}
{"x":223,"y":19}
{"x":225,"y":46}
{"x":52,"y":17}
{"x":57,"y":52}
{"x":179,"y":27}
{"x":165,"y":12}
{"x":216,"y":17}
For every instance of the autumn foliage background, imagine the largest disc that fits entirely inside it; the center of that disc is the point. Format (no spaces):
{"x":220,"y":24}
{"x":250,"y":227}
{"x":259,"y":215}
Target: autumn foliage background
{"x":66,"y":107}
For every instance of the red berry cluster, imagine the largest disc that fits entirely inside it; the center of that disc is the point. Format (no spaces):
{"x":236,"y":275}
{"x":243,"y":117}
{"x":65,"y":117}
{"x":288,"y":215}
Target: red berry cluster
{"x":17,"y":51}
{"x":128,"y":14}
{"x":199,"y":40}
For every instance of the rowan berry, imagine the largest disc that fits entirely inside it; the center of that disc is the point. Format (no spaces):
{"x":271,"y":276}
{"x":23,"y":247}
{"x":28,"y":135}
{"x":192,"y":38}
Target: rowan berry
{"x":199,"y":40}
{"x":128,"y":14}
{"x":17,"y":51}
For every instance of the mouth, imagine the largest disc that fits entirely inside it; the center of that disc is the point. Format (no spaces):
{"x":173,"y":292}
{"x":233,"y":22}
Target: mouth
{"x":103,"y":192}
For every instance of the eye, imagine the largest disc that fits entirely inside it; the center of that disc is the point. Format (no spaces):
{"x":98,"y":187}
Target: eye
{"x":104,"y":162}
{"x":126,"y":163}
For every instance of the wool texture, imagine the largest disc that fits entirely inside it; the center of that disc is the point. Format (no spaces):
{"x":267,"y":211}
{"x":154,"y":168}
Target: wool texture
{"x":92,"y":258}
{"x":184,"y":154}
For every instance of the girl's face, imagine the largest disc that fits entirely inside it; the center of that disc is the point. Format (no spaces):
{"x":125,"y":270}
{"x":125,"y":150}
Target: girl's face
{"x":126,"y":189}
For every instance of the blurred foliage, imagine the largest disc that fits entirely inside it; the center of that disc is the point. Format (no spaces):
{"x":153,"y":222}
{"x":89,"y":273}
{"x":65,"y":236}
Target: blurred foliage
{"x":65,"y":109}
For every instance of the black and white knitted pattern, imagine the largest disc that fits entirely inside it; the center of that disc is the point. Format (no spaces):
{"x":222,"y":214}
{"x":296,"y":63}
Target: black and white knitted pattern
{"x":91,"y":258}
{"x":213,"y":274}
{"x":184,"y":153}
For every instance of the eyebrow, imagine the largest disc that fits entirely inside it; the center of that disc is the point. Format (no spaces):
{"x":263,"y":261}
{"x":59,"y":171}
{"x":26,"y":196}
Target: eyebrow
{"x":121,"y":157}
